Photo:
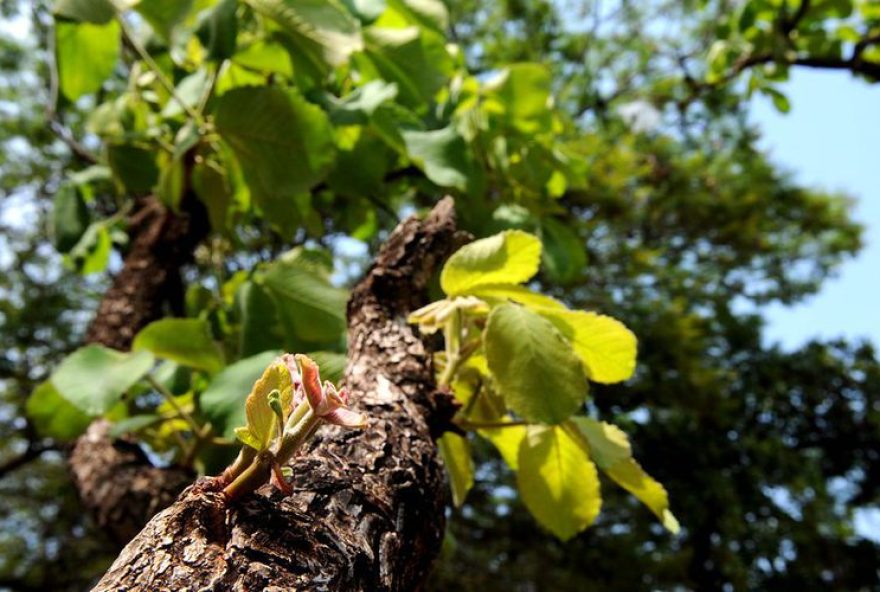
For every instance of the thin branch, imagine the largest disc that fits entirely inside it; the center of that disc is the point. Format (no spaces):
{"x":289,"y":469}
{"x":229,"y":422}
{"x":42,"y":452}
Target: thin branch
{"x":31,"y":453}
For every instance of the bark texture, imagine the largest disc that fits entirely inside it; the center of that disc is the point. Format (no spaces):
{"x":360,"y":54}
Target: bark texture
{"x":114,"y":479}
{"x":367,"y":511}
{"x":150,"y":277}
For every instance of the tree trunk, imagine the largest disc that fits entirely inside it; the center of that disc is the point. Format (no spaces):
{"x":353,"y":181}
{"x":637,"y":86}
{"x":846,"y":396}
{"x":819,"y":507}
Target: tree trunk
{"x":115,"y":480}
{"x":367,"y":512}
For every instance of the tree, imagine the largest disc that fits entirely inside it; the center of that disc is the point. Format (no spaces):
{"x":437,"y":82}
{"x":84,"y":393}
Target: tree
{"x":513,"y":161}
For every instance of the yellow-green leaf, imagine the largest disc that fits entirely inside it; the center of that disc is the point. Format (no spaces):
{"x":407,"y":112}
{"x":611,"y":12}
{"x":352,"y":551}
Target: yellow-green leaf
{"x":459,"y":466}
{"x":507,"y":440}
{"x":610,"y":448}
{"x":557,"y":481}
{"x":510,"y":257}
{"x":248,"y":437}
{"x":534,"y":367}
{"x":261,"y":420}
{"x":605,"y":346}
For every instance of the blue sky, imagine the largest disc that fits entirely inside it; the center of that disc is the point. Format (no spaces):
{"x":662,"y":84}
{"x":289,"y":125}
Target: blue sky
{"x":829,"y":140}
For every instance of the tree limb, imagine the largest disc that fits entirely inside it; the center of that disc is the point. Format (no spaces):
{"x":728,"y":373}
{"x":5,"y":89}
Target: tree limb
{"x":367,"y":513}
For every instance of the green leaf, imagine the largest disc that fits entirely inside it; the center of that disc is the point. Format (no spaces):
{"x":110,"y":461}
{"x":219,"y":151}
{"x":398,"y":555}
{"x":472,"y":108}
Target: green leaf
{"x":86,"y":56}
{"x":190,"y":91}
{"x":94,"y":377}
{"x":325,"y":23}
{"x":522,"y":93}
{"x":70,"y":218}
{"x":266,"y":57}
{"x":557,"y":481}
{"x":459,"y":466}
{"x":164,"y":15}
{"x":223,"y":402}
{"x":53,"y":416}
{"x":564,"y":255}
{"x":780,"y":101}
{"x":133,"y":166}
{"x":92,"y":253}
{"x":414,"y":58}
{"x":361,"y":169}
{"x":310,"y":308}
{"x":357,"y":106}
{"x":510,"y":257}
{"x":260,"y":327}
{"x":610,"y":448}
{"x":507,"y":441}
{"x":218,"y":29}
{"x":211,"y":186}
{"x":445,"y":158}
{"x":185,"y":341}
{"x":266,"y":126}
{"x":605,"y":346}
{"x":98,"y":12}
{"x":427,"y":13}
{"x":534,"y":367}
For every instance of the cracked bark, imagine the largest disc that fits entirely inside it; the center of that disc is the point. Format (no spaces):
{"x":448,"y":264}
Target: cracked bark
{"x":367,"y":512}
{"x":116,"y":482}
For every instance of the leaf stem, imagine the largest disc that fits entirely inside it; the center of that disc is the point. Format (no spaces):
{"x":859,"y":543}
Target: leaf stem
{"x":200,"y":431}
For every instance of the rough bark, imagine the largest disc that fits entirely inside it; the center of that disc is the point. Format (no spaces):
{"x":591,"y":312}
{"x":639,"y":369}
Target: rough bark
{"x":150,"y":277}
{"x":367,"y":508}
{"x":114,"y":479}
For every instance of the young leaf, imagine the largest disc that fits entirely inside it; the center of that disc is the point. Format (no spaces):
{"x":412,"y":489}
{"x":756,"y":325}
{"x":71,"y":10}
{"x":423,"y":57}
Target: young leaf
{"x":610,"y":448}
{"x":185,"y":341}
{"x":535,"y":368}
{"x":606,"y":347}
{"x":557,"y":481}
{"x":87,"y":54}
{"x":459,"y":466}
{"x":261,"y":420}
{"x":246,"y":436}
{"x":510,"y":257}
{"x":94,"y":377}
{"x":222,"y":402}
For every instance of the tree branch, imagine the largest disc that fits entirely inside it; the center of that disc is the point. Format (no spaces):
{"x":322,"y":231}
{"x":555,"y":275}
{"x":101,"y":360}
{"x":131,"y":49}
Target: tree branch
{"x":31,"y":453}
{"x":367,"y":513}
